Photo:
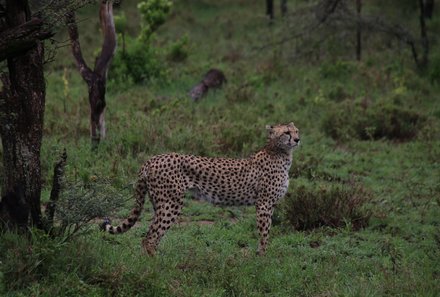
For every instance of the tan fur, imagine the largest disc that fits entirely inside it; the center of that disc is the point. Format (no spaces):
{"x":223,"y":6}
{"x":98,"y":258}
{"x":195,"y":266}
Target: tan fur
{"x":260,"y":180}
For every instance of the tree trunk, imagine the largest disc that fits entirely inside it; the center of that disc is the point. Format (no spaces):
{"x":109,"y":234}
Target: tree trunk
{"x":269,"y":9}
{"x":97,"y":109}
{"x":283,"y":7}
{"x":359,"y":30}
{"x":22,"y":110}
{"x":429,"y":8}
{"x":96,"y":79}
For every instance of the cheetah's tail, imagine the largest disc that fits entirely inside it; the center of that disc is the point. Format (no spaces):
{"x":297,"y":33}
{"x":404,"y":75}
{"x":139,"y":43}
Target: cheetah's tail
{"x":140,"y":192}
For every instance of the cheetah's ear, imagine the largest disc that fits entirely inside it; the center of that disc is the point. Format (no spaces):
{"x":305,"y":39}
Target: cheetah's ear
{"x":269,"y":128}
{"x":291,"y":124}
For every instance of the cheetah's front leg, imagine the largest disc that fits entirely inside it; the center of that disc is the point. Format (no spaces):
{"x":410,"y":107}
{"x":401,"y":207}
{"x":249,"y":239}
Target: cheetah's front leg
{"x":264,"y":221}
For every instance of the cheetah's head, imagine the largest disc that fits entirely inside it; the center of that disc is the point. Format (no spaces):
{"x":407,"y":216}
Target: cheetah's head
{"x":285,"y":137}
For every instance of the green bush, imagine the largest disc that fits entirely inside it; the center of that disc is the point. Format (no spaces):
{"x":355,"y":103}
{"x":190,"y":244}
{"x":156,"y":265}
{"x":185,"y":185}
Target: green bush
{"x":179,"y":50}
{"x":80,"y":203}
{"x":153,"y":15}
{"x":140,"y":63}
{"x":380,"y":120}
{"x":310,"y":205}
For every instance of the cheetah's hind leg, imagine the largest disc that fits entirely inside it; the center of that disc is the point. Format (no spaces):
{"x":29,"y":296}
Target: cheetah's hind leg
{"x":165,"y":215}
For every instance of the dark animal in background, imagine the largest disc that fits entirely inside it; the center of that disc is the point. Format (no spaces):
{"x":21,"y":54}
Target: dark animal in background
{"x":213,"y":79}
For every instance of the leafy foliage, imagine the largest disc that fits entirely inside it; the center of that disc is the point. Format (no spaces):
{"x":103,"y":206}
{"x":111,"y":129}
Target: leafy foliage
{"x":139,"y":63}
{"x":153,"y":14}
{"x":120,"y":23}
{"x":179,"y":50}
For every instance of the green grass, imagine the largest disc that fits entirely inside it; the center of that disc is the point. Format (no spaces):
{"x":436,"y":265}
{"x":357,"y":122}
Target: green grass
{"x":212,"y":251}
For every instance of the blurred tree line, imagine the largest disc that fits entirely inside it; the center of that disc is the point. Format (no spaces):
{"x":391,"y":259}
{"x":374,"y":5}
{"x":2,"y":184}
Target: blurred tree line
{"x":323,"y":25}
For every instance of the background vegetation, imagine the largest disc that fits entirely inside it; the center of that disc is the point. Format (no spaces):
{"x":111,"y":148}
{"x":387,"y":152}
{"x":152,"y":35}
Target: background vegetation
{"x":362,"y":216}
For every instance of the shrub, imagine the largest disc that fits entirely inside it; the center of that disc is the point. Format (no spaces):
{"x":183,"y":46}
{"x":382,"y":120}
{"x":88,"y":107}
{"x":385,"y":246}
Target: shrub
{"x":312,"y":205}
{"x":82,"y":202}
{"x":153,"y":15}
{"x":392,"y":122}
{"x":179,"y":50}
{"x":140,"y":63}
{"x":379,"y":120}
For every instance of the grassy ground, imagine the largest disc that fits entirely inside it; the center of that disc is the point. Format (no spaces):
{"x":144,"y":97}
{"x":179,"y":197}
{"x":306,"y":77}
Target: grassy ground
{"x":212,"y":251}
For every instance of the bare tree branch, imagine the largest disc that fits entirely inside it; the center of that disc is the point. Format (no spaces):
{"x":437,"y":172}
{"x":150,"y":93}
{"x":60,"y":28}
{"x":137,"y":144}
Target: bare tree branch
{"x":72,"y":29}
{"x":109,"y":33}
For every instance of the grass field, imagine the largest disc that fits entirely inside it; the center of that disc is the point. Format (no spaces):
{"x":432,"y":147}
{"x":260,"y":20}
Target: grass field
{"x":211,"y":252}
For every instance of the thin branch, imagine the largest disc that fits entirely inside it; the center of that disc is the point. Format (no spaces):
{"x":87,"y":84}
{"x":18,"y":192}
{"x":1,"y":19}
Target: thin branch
{"x":72,"y":29}
{"x":109,"y":44}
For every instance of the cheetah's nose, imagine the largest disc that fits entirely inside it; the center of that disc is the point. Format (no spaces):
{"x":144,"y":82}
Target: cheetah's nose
{"x":296,"y":140}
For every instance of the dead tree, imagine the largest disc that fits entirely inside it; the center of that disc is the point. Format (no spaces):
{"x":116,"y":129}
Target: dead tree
{"x":96,"y":79}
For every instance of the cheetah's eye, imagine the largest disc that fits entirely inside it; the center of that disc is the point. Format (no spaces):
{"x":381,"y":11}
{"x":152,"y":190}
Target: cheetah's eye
{"x":287,"y":133}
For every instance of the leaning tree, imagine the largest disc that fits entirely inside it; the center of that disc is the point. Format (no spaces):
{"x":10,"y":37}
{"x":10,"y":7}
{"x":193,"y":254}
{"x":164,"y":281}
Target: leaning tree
{"x":23,"y":29}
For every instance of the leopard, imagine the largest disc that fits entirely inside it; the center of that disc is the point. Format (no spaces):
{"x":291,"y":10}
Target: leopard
{"x":261,"y":179}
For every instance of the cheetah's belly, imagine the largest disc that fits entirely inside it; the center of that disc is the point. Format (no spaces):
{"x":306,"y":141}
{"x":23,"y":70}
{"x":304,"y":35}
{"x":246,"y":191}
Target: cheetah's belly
{"x":220,"y":194}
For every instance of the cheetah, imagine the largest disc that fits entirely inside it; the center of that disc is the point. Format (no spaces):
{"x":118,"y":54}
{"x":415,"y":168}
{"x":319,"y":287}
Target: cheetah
{"x":261,"y":180}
